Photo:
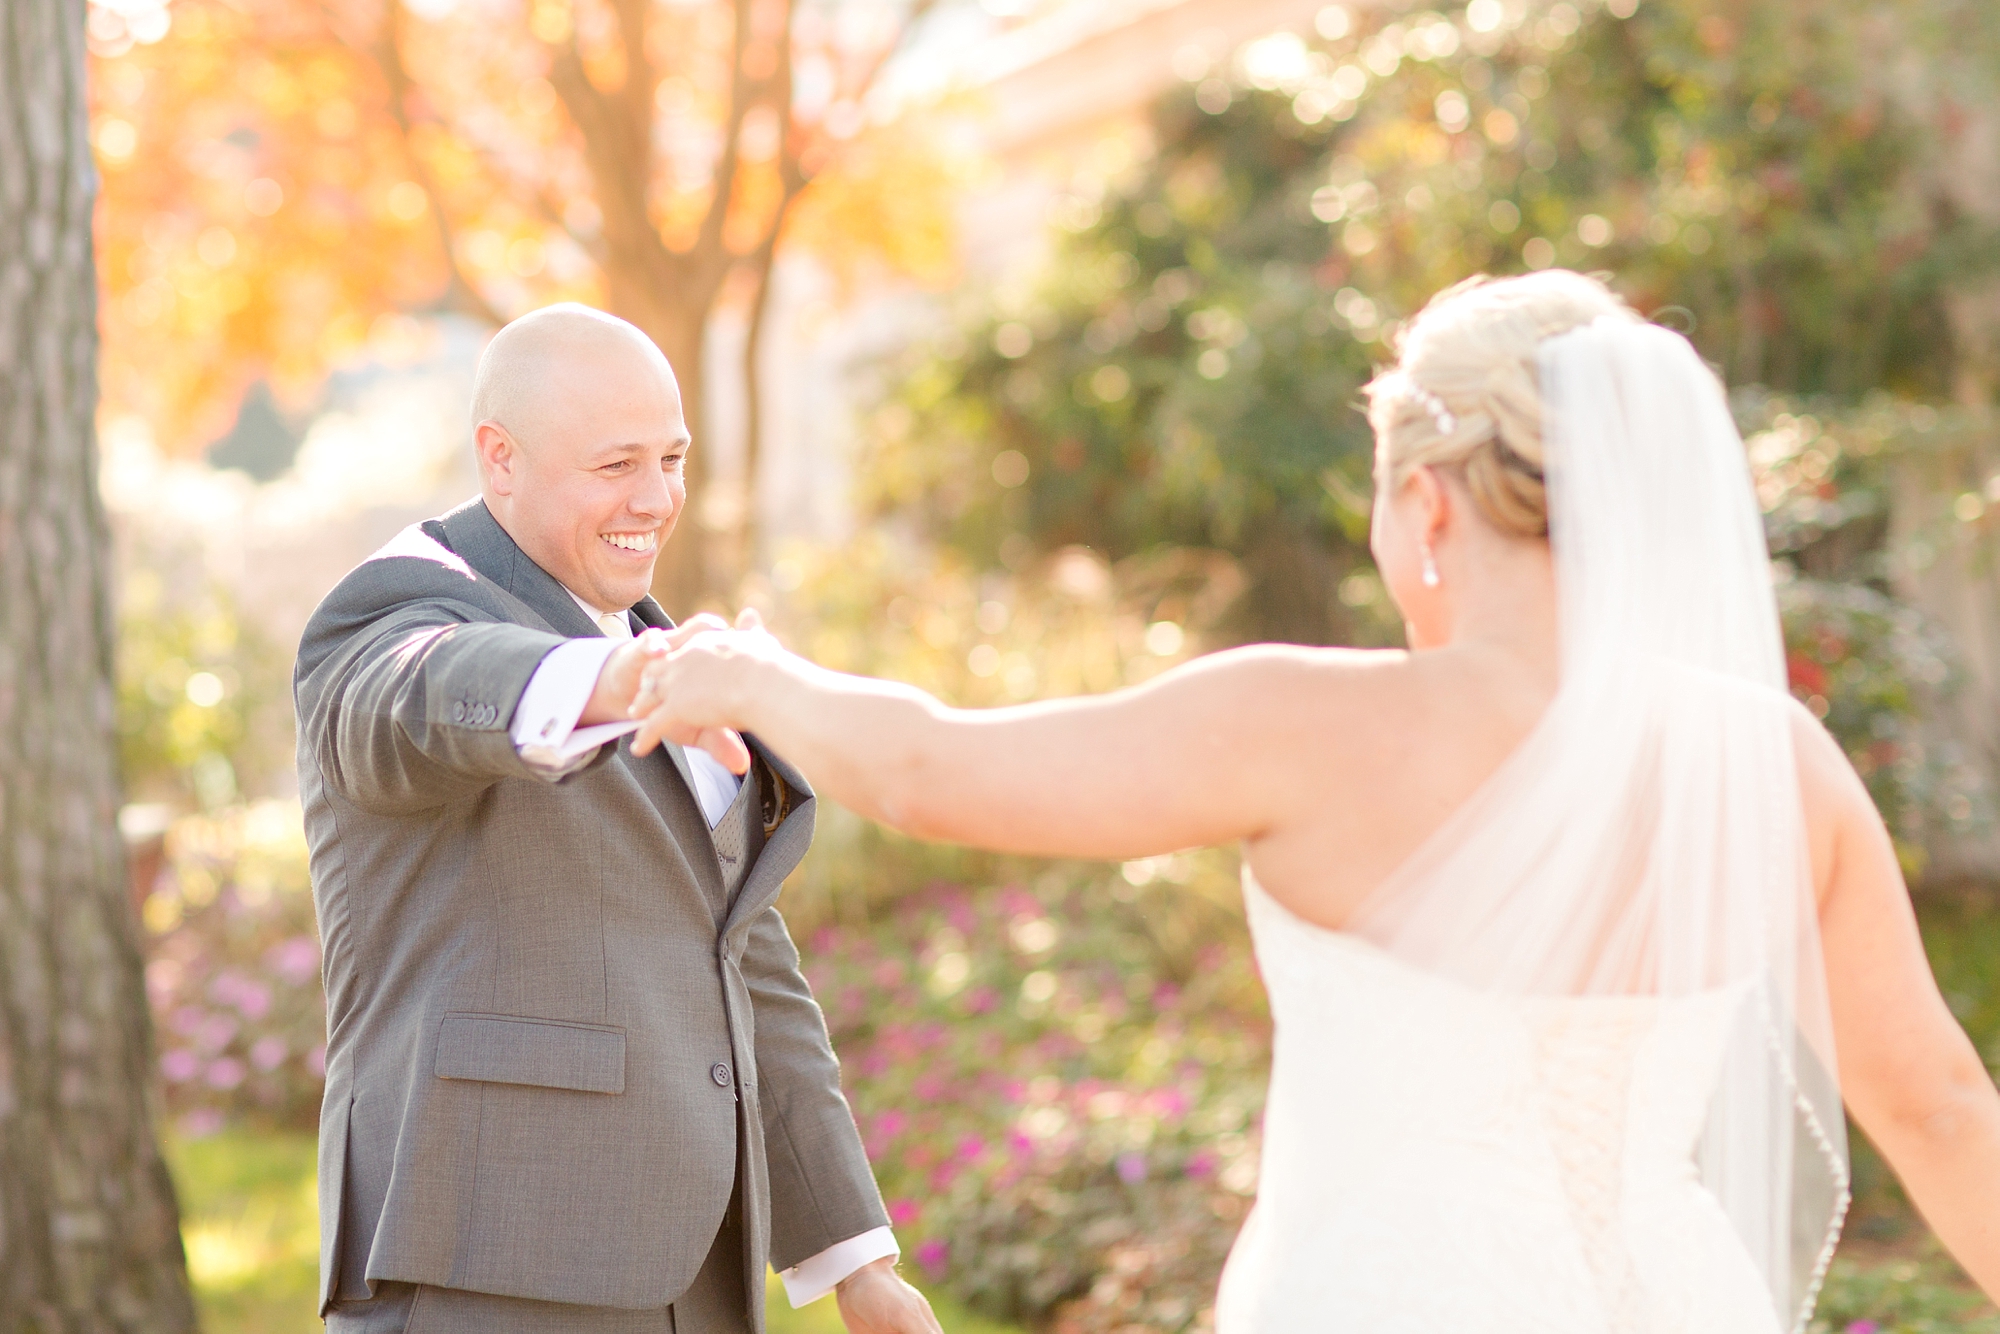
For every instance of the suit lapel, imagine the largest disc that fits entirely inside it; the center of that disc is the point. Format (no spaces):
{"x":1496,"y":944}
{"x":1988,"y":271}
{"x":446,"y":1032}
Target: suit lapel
{"x":473,"y":532}
{"x":782,"y":850}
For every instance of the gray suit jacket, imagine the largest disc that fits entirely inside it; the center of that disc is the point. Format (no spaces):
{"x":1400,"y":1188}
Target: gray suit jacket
{"x":542,"y":1008}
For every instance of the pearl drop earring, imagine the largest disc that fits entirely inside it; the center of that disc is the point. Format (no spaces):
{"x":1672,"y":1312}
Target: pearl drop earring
{"x":1431,"y":577}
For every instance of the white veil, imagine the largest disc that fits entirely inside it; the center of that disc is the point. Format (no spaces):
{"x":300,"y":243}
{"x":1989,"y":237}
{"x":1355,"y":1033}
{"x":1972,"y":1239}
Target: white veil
{"x":1647,"y":838}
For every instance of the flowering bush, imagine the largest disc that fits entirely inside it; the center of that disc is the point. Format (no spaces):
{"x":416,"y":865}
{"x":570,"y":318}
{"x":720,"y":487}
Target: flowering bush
{"x":1059,"y":1085}
{"x":233,"y":971}
{"x":1873,"y":669}
{"x":1872,"y":666}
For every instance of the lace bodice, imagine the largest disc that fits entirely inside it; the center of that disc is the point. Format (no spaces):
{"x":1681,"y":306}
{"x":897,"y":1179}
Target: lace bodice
{"x":1439,"y":1159}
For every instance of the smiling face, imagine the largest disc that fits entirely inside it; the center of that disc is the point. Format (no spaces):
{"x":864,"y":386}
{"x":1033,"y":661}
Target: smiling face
{"x":582,"y":443}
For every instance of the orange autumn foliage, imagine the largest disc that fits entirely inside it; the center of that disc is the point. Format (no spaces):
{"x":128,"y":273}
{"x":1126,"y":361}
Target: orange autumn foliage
{"x":270,"y":199}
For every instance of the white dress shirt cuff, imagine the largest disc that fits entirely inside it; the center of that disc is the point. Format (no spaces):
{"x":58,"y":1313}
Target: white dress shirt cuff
{"x":545,"y":731}
{"x":812,"y":1279}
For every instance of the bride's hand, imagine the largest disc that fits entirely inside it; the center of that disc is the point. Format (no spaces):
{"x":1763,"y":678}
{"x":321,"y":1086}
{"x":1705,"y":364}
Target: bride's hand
{"x":694,"y":695}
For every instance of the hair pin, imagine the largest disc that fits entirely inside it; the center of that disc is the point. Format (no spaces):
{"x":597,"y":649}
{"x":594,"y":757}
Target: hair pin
{"x":1446,"y":423}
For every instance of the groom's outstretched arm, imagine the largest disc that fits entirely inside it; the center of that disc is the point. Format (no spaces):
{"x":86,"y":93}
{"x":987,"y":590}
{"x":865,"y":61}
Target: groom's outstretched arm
{"x":406,"y":706}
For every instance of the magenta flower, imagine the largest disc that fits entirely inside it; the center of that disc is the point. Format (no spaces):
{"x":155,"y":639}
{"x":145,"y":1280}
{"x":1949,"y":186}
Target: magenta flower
{"x":1131,"y":1168}
{"x":931,"y":1255}
{"x":251,"y":998}
{"x":296,"y":960}
{"x":903,"y":1212}
{"x":1862,"y":1327}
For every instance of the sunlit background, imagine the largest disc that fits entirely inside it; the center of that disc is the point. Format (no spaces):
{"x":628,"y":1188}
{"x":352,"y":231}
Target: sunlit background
{"x":1023,"y":340}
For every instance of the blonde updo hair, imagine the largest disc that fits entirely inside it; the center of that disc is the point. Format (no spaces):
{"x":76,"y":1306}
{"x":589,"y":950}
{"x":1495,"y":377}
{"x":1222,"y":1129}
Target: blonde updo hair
{"x":1465,"y":393}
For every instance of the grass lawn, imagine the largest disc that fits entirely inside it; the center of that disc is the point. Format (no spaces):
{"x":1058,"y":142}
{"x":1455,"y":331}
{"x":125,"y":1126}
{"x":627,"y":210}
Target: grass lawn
{"x":250,"y":1220}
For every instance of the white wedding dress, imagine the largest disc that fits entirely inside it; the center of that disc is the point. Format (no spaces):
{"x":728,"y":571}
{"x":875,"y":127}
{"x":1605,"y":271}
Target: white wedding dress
{"x":1436,"y":1159}
{"x":1570,"y":1069}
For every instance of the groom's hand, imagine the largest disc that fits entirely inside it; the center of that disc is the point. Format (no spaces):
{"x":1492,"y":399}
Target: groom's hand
{"x":875,"y":1300}
{"x":618,"y":680}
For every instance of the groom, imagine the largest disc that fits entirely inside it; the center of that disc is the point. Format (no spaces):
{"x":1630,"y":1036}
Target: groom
{"x":575,"y":1081}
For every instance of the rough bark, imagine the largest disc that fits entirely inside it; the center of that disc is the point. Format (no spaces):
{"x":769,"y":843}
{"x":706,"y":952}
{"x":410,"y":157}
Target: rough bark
{"x":89,"y":1238}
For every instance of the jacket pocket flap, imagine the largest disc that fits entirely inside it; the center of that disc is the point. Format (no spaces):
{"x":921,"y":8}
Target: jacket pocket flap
{"x":547,"y":1053}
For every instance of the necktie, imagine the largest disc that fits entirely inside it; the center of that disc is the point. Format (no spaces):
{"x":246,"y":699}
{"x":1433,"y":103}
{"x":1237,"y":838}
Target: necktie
{"x":615,"y":624}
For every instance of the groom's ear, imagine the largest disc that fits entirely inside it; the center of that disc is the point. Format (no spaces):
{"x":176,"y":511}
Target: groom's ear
{"x":499,"y":456}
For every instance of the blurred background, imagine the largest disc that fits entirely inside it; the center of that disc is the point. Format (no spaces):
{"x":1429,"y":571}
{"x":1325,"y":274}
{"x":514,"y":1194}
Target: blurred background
{"x":1022,"y":340}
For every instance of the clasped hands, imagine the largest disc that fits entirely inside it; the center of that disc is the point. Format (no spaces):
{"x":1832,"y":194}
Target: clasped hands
{"x":684,"y":684}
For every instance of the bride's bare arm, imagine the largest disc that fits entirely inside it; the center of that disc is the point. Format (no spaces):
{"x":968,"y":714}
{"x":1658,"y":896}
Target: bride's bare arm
{"x":1910,"y":1075}
{"x":1197,"y":756}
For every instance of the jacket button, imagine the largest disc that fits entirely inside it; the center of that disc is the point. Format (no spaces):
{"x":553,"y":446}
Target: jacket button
{"x":720,"y":1074}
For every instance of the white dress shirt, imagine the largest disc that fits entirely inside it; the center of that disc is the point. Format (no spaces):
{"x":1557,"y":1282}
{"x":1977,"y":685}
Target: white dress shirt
{"x":547,"y":737}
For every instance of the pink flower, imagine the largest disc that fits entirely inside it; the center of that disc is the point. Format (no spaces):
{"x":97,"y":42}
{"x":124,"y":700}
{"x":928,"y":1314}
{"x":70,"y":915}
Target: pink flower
{"x":296,"y":960}
{"x":1131,"y":1168}
{"x":268,"y":1053}
{"x":316,"y":1062}
{"x":903,"y":1212}
{"x":163,"y":977}
{"x":1862,"y":1327}
{"x":981,"y":1000}
{"x":215,"y":1032}
{"x":931,"y":1255}
{"x":201,"y":1123}
{"x":225,"y":1073}
{"x":1200,"y":1165}
{"x":252,"y":999}
{"x":179,"y":1065}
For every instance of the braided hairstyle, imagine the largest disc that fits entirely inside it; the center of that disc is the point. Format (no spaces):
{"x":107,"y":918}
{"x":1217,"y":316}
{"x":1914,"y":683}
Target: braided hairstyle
{"x":1465,"y":393}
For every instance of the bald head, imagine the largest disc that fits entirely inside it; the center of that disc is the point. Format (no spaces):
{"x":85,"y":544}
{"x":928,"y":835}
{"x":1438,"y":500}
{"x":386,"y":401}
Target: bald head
{"x":581,"y":439}
{"x":533,"y":370}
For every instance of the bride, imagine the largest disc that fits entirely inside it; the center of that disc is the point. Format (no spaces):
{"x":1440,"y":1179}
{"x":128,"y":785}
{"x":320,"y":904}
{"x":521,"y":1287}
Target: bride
{"x":1565,"y":912}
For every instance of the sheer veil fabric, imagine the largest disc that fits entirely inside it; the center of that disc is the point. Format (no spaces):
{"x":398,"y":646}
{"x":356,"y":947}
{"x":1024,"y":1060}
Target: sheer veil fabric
{"x":1647,"y":839}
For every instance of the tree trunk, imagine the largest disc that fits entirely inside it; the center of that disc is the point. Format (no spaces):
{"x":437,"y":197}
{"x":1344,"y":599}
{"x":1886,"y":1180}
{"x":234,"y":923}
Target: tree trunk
{"x":682,"y":579}
{"x":89,"y":1237}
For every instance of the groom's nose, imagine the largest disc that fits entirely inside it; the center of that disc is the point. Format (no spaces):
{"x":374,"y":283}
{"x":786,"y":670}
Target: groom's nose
{"x":651,"y":496}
